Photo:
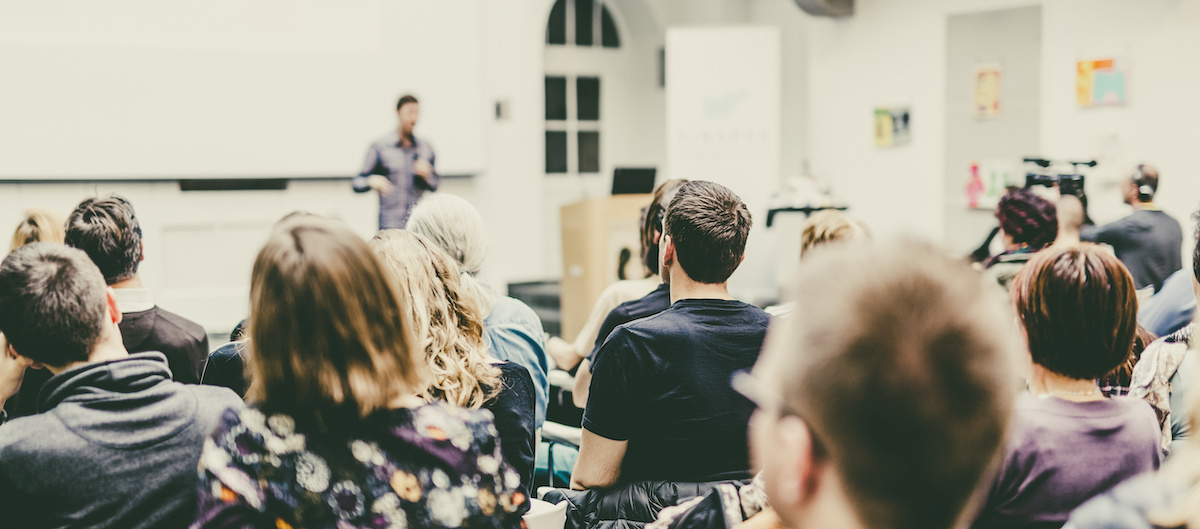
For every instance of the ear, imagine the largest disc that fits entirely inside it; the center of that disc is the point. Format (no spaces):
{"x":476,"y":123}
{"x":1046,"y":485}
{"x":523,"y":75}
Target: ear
{"x":141,"y":251}
{"x":114,"y":313}
{"x":13,"y":354}
{"x":666,"y":249}
{"x":800,"y":473}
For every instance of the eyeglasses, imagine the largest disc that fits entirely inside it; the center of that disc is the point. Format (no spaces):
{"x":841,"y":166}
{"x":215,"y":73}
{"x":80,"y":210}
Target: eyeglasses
{"x":757,"y":392}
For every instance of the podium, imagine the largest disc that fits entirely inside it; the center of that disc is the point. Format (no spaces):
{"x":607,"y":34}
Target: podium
{"x":594,"y":231}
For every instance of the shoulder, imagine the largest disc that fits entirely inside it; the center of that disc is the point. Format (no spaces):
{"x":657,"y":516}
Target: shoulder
{"x":231,"y":351}
{"x":1124,"y":507}
{"x":514,"y":374}
{"x":177,"y":325}
{"x":508,"y":308}
{"x":387,"y":140}
{"x":29,"y":434}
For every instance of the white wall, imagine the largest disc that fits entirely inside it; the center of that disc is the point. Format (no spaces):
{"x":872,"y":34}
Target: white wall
{"x":893,"y":53}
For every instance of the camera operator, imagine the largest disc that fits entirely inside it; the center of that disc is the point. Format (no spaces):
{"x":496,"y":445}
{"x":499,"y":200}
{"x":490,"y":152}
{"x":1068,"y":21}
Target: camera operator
{"x":1148,"y":241}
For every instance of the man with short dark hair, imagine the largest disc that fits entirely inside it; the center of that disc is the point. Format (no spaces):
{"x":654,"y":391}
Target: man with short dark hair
{"x":885,"y":397}
{"x":1148,"y":242}
{"x":117,"y":442}
{"x":108,"y":231}
{"x":660,"y":406}
{"x":400,"y":167}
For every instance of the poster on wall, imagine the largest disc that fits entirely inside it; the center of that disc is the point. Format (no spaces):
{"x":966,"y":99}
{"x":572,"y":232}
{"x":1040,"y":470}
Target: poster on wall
{"x":989,"y":180}
{"x":986,"y":91}
{"x":892,"y":127}
{"x":1100,"y":83}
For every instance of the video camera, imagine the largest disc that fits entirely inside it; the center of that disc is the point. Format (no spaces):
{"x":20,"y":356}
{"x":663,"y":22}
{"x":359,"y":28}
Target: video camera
{"x":1068,"y":183}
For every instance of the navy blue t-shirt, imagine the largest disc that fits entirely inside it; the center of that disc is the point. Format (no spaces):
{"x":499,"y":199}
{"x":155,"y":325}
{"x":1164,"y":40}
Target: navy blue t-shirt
{"x":662,"y":383}
{"x":653,"y":303}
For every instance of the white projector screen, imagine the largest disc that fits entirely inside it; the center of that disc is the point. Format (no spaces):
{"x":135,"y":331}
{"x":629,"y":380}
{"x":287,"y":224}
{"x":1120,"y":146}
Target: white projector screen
{"x":147,"y":89}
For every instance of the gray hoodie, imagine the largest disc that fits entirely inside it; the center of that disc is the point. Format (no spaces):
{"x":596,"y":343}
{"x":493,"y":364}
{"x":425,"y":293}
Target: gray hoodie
{"x":115,"y":444}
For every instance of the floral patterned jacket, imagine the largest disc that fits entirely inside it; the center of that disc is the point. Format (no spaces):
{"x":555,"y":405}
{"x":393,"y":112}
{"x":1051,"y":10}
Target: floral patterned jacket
{"x":435,"y":466}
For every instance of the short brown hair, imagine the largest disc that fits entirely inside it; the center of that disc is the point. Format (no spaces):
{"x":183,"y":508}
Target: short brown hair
{"x":52,"y":303}
{"x":329,"y":341}
{"x":903,"y":374}
{"x":406,"y":99}
{"x":826,"y":226}
{"x":1079,"y":307}
{"x":709,"y":226}
{"x":108,"y":231}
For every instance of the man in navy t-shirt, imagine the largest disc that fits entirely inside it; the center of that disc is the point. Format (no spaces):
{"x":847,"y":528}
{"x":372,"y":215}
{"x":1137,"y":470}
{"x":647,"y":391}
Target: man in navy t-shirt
{"x":661,"y":407}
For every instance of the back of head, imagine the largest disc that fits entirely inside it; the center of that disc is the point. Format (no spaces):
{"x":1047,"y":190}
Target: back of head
{"x":827,"y":226}
{"x":455,"y":226}
{"x":903,"y":374}
{"x":1028,"y":218}
{"x":108,"y":231}
{"x":39,"y":225}
{"x":330,"y":341}
{"x":709,"y":225}
{"x":1145,"y":179}
{"x":652,"y":221}
{"x":1078,"y":306}
{"x":52,"y":303}
{"x":447,"y":323}
{"x":1071,"y":216}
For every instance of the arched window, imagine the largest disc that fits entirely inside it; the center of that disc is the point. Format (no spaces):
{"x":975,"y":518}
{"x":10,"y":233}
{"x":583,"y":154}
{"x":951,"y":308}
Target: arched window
{"x":582,"y":23}
{"x":573,"y":120}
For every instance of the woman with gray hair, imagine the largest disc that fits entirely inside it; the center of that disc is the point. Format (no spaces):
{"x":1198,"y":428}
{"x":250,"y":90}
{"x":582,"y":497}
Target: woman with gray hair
{"x":512,"y":330}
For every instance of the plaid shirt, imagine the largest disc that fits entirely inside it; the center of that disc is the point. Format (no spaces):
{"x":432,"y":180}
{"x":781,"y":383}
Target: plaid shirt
{"x":387,"y":157}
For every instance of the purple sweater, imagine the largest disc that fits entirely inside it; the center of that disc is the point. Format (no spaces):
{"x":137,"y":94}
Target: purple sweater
{"x":1060,"y":453}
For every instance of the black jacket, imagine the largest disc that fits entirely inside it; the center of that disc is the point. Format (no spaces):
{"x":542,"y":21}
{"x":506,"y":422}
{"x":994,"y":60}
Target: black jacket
{"x":628,"y":506}
{"x":183,"y":342}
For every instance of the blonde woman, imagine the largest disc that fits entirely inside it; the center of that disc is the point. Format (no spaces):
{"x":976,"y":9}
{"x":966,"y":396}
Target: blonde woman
{"x":823,"y":227}
{"x":335,"y":436}
{"x":39,"y":225}
{"x":511,"y":329}
{"x":449,"y":329}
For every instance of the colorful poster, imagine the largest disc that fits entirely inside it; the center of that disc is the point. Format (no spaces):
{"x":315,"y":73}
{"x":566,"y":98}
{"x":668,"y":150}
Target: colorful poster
{"x":986,"y":91}
{"x":892,"y":127}
{"x":1100,"y":83}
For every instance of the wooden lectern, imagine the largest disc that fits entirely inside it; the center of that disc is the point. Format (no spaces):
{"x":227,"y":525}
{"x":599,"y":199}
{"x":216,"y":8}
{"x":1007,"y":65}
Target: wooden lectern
{"x":593,"y":233}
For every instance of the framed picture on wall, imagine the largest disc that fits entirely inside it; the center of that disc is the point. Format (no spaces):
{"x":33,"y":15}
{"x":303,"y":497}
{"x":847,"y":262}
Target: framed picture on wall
{"x":1100,"y":83}
{"x":985,"y":92}
{"x":892,"y":126}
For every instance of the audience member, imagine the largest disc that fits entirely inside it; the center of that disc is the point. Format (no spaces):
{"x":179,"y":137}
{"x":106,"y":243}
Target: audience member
{"x":1068,"y":442}
{"x":881,"y":406}
{"x":820,"y":229}
{"x":337,"y":436}
{"x":567,"y":355}
{"x":512,"y":330}
{"x":1162,"y":499}
{"x":117,"y":441}
{"x":447,"y":322}
{"x":39,"y":225}
{"x":108,"y":231}
{"x":1071,"y":217}
{"x":1028,"y":223}
{"x":1148,"y":241}
{"x":660,"y":406}
{"x":1165,"y":374}
{"x":653,"y":302}
{"x":1172,"y":308}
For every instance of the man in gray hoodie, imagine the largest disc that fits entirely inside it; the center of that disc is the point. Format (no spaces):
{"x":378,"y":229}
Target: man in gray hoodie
{"x":116,"y":442}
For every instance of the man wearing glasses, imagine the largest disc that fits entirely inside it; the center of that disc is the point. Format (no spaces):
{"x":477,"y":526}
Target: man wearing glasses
{"x":883,"y":399}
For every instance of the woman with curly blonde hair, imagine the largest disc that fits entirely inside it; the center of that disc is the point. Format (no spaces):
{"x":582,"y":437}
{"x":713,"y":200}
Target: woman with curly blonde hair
{"x":449,"y":328}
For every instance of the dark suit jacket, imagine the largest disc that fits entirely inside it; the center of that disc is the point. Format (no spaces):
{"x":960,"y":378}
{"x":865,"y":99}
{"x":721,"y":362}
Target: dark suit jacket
{"x":183,"y":342}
